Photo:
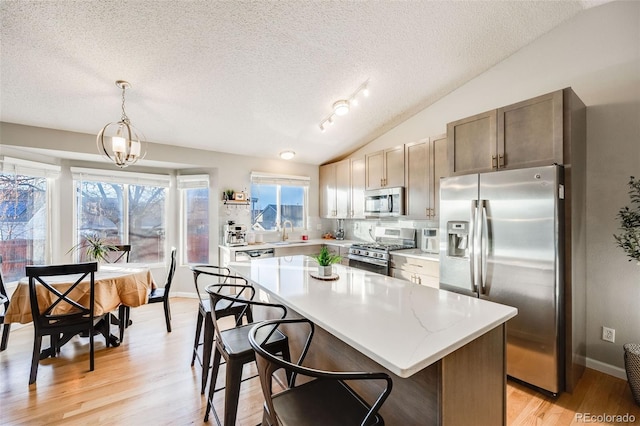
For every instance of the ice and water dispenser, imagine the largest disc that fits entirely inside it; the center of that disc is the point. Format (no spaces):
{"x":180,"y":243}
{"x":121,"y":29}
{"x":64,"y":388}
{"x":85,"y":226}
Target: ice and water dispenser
{"x":458,"y":239}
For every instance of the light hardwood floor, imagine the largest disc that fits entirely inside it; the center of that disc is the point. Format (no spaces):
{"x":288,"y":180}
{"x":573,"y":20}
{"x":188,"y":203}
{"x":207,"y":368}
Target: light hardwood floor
{"x":148,"y":380}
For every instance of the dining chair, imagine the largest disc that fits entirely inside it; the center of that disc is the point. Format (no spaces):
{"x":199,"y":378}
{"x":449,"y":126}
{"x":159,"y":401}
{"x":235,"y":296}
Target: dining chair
{"x":204,"y":275}
{"x":4,"y":302}
{"x":233,"y":344}
{"x":326,"y":399}
{"x":157,"y":295}
{"x":120,"y":252}
{"x":67,"y":310}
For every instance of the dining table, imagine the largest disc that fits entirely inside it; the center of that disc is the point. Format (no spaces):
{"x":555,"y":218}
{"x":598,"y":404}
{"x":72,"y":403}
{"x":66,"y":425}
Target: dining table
{"x":115,"y":284}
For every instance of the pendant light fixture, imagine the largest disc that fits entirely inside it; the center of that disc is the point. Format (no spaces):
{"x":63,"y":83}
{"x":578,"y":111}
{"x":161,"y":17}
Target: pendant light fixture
{"x":119,"y":141}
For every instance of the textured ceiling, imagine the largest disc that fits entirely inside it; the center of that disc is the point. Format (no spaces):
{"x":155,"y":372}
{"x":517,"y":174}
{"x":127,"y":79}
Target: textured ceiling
{"x":252,"y":78}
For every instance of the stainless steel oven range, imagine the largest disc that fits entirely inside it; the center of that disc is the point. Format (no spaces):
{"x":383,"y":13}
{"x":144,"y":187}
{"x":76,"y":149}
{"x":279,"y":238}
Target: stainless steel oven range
{"x":374,"y":256}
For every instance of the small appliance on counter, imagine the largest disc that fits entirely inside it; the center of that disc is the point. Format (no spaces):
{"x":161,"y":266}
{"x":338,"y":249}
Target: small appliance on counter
{"x":339,"y":235}
{"x":235,"y":235}
{"x":430,"y":241}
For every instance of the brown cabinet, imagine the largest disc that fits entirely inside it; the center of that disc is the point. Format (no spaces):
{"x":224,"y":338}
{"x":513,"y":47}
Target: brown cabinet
{"x":525,"y":134}
{"x":385,"y":169}
{"x":335,"y":189}
{"x":425,"y":163}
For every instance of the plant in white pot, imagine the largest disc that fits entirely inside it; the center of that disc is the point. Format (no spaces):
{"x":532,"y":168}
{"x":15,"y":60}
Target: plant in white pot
{"x":325,"y":259}
{"x":629,"y":240}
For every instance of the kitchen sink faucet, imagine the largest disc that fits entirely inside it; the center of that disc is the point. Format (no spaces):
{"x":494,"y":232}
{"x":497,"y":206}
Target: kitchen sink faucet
{"x":284,"y":229}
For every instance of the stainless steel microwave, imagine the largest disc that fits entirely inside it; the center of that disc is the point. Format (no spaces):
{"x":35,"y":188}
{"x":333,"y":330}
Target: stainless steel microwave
{"x":384,"y":202}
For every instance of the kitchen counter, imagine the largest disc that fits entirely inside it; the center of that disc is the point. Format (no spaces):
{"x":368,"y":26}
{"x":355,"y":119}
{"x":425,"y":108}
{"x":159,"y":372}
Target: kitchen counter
{"x":289,"y":243}
{"x":417,"y":254}
{"x":360,"y":307}
{"x":441,"y":349}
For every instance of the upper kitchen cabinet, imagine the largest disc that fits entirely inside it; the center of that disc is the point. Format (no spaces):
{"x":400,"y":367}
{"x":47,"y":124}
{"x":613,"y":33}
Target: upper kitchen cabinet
{"x":425,"y":164}
{"x":525,"y":134}
{"x":335,"y":189}
{"x":358,"y":181}
{"x":385,"y":169}
{"x":472,"y":143}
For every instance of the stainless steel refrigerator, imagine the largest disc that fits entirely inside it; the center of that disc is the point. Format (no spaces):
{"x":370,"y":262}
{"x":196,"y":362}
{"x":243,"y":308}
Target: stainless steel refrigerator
{"x":501,"y":239}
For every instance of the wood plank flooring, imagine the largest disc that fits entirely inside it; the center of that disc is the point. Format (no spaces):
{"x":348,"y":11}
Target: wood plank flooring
{"x":148,"y":380}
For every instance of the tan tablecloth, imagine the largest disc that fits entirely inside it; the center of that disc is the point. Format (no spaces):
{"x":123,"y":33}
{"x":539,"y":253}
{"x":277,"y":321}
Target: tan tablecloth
{"x":125,"y":284}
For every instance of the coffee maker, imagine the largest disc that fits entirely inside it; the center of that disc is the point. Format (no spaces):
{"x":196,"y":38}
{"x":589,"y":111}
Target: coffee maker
{"x":235,"y":235}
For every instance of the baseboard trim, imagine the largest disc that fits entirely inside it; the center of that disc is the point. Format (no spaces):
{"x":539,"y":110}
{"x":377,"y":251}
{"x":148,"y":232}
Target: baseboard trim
{"x":609,"y":369}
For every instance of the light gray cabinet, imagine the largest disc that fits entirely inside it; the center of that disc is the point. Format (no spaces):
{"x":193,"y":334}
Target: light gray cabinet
{"x":385,"y":169}
{"x":419,"y":271}
{"x":339,"y":251}
{"x":358,"y":181}
{"x":525,"y":134}
{"x":335,"y":189}
{"x":425,"y":163}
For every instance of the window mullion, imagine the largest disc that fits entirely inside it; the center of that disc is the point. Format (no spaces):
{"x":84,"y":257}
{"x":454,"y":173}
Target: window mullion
{"x":125,"y":213}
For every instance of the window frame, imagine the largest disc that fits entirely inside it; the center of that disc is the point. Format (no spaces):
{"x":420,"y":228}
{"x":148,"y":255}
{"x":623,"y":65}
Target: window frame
{"x":184,"y":183}
{"x":79,"y":174}
{"x":279,"y":180}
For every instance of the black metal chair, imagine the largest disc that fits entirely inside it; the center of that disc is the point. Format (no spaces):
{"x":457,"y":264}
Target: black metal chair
{"x":4,"y":302}
{"x":157,"y":295}
{"x":204,"y":275}
{"x":120,"y":252}
{"x":233,"y":344}
{"x":69,"y":311}
{"x":325,"y":400}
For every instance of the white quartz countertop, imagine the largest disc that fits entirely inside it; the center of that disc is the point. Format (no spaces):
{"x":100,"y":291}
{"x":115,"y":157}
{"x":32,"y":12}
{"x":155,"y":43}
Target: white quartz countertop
{"x":403,"y":326}
{"x":417,"y":254}
{"x":289,"y":243}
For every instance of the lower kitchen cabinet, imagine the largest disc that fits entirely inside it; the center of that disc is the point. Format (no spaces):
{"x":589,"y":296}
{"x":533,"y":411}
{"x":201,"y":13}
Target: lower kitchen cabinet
{"x":419,"y":271}
{"x":340,"y":251}
{"x":297,"y":249}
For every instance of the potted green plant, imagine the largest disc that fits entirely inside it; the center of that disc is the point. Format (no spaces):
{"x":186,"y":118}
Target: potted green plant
{"x":629,"y":240}
{"x":229,"y":193}
{"x":325,"y":259}
{"x":94,"y":247}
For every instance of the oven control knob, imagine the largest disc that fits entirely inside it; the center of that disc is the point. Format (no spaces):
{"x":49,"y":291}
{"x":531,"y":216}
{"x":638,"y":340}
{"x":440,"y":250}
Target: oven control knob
{"x":366,"y":253}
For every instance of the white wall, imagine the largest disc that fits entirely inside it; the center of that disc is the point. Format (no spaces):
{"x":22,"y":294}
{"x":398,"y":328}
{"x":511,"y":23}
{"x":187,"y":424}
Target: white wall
{"x":598,"y":55}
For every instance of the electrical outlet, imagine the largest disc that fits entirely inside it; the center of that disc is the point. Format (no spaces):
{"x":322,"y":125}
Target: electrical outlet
{"x":608,"y":334}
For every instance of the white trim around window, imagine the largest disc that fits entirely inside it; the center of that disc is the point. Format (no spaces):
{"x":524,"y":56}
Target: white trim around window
{"x":111,"y":176}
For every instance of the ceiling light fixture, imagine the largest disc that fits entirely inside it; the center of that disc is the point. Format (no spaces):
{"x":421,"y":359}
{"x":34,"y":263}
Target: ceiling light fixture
{"x":119,"y":141}
{"x":343,"y":106}
{"x":287,"y":155}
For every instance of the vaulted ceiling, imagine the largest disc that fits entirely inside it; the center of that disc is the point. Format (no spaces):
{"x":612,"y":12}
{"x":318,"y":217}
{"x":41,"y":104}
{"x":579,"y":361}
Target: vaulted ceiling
{"x":253,"y":78}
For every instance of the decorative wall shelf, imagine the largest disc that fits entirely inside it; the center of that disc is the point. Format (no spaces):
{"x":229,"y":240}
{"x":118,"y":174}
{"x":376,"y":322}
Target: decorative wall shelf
{"x":236,"y":202}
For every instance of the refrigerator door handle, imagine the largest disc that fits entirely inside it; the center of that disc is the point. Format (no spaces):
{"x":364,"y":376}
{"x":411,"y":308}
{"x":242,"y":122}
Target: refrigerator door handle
{"x":472,"y":245}
{"x":483,"y":233}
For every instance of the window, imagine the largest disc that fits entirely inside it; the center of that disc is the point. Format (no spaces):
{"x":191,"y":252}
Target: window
{"x":276,"y":199}
{"x":24,"y":214}
{"x":194,"y":193}
{"x":122,"y":208}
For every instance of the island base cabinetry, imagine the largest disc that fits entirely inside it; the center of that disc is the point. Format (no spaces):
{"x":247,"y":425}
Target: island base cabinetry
{"x":466,"y":387}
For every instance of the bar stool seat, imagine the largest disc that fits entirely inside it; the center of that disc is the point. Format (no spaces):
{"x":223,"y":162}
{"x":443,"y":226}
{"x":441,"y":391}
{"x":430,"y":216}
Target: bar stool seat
{"x":233,"y":345}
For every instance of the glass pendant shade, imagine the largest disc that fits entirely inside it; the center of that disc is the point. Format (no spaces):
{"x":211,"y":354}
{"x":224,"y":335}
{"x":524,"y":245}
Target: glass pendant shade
{"x":120,"y":141}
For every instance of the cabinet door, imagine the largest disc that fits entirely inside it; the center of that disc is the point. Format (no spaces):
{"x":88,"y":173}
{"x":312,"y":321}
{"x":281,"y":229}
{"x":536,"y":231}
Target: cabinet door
{"x":440,"y":168}
{"x":403,"y":275}
{"x":357,"y":188}
{"x":472,"y":144}
{"x":394,"y":166}
{"x":327,"y":180}
{"x":374,"y":170}
{"x":343,"y":188}
{"x":417,"y":179}
{"x":530,"y":133}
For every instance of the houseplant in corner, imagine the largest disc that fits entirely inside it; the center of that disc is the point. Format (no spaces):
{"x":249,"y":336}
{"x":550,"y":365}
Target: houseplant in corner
{"x":325,"y":259}
{"x":94,"y":247}
{"x":629,"y":240}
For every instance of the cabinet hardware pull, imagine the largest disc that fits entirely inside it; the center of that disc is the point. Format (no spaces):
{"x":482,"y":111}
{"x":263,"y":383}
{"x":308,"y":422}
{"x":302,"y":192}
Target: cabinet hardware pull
{"x":501,"y":161}
{"x":494,"y":162}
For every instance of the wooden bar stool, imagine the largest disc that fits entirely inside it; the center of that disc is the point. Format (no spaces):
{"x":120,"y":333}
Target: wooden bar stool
{"x":233,"y":345}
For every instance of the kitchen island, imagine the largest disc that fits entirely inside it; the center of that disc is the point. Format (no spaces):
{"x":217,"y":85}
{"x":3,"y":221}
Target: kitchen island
{"x":444,"y":351}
